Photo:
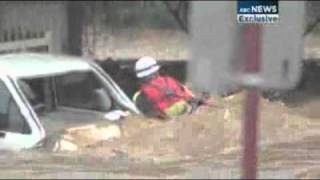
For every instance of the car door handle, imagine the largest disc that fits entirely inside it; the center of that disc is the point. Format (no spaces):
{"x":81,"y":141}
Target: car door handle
{"x":2,"y":134}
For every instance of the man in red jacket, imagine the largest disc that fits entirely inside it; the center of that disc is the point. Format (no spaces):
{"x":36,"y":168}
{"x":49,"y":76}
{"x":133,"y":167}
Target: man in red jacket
{"x":160,"y":95}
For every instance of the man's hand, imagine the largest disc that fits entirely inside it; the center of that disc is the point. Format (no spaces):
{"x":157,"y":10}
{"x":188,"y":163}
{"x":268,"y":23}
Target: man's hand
{"x":208,"y":102}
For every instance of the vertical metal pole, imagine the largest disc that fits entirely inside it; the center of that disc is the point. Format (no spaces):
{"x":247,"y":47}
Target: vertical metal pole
{"x":249,"y":128}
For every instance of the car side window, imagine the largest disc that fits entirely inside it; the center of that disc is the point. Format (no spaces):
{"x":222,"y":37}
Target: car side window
{"x":83,"y":90}
{"x":11,"y":119}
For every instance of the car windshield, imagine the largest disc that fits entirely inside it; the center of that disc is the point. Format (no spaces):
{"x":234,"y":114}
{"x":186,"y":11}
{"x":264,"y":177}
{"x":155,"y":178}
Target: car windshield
{"x":11,"y":120}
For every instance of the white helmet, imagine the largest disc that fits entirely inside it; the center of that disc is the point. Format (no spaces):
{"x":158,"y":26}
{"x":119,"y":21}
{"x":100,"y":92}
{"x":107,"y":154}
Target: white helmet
{"x":146,"y":66}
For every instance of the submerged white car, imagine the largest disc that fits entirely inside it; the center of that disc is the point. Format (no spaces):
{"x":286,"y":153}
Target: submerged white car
{"x":41,"y":93}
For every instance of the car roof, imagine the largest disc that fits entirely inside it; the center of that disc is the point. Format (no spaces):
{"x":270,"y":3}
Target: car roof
{"x":28,"y":65}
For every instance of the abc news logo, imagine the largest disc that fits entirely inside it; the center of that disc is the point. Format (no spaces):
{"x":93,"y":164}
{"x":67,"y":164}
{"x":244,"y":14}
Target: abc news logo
{"x":260,"y":9}
{"x":252,"y":12}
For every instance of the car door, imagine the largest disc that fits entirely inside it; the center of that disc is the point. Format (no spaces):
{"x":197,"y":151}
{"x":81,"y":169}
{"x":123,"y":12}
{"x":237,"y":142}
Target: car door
{"x":18,"y":127}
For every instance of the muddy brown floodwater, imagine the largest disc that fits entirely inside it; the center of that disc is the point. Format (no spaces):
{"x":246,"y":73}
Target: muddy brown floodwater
{"x":204,"y":145}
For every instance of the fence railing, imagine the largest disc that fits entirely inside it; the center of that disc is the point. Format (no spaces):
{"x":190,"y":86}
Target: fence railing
{"x":21,"y":41}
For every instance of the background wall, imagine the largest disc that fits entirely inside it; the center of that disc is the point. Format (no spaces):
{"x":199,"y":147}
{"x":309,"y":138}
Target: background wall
{"x":36,"y":16}
{"x":130,"y":29}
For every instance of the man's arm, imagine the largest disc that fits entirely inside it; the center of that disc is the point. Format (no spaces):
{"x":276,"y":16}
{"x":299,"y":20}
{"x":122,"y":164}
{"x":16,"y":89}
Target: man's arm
{"x":145,"y":106}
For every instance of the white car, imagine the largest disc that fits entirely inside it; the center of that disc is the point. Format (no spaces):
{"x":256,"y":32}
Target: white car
{"x":42,"y":93}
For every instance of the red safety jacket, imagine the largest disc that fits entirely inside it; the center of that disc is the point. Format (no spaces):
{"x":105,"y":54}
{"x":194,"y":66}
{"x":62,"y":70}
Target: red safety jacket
{"x":164,"y":91}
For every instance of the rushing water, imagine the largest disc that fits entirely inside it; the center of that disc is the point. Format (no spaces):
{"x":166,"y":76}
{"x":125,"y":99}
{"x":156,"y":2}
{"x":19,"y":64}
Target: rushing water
{"x":37,"y":164}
